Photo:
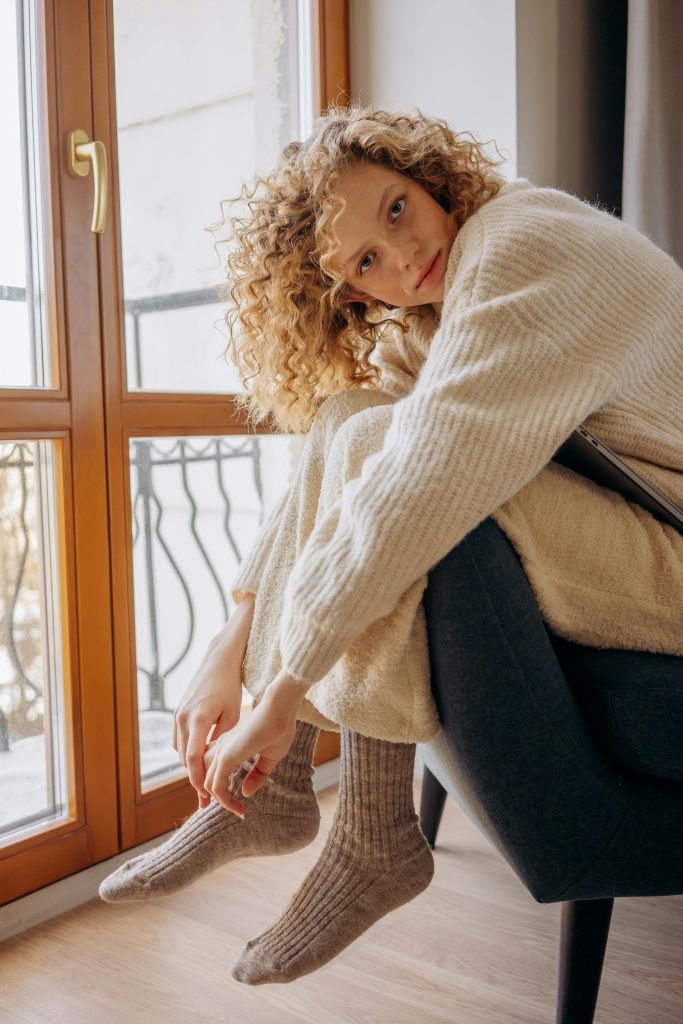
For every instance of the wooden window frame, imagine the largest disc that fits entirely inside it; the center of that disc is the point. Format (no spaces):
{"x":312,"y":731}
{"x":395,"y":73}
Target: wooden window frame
{"x":93,"y":415}
{"x":332,"y":53}
{"x":73,"y":416}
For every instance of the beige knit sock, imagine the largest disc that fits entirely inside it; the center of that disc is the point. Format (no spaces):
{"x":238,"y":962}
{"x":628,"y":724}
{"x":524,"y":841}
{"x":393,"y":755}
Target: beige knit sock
{"x":282,"y":816}
{"x":375,"y":859}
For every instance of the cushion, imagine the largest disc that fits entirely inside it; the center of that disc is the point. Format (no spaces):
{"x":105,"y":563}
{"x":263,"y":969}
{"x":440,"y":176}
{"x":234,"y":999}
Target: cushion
{"x":632,"y":703}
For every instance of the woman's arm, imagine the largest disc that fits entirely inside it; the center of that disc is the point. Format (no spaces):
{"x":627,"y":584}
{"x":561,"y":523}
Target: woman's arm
{"x":214,"y":695}
{"x":398,"y":378}
{"x":400,"y":356}
{"x":552,"y":317}
{"x":250,"y":572}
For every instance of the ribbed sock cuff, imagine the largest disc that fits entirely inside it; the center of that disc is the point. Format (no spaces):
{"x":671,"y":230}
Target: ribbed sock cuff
{"x":376,"y":808}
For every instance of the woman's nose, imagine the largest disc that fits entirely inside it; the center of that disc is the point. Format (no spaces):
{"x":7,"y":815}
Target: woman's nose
{"x":408,"y":256}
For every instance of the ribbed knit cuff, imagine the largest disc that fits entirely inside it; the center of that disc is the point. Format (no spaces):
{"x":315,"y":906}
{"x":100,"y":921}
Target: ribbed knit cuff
{"x":248,"y":578}
{"x":243,"y":586}
{"x":296,"y":770}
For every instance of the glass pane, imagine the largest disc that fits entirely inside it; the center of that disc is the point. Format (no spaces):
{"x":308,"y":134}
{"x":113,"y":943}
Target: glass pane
{"x":24,"y":352}
{"x":206,"y":95}
{"x":32,"y":747}
{"x":197,"y":505}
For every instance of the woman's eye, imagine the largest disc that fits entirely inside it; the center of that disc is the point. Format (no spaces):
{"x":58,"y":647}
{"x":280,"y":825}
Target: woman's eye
{"x":364,"y":266}
{"x":397,"y":208}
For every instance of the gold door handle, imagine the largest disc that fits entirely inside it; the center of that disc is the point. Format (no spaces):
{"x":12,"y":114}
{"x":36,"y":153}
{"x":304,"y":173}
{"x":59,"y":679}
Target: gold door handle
{"x":82,"y":154}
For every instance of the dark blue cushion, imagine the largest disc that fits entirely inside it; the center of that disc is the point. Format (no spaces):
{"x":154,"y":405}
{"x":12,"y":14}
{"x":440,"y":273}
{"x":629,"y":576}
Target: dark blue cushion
{"x":632,"y":702}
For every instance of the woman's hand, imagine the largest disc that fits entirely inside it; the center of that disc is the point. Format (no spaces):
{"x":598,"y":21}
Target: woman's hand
{"x":267,"y":731}
{"x":214,"y":696}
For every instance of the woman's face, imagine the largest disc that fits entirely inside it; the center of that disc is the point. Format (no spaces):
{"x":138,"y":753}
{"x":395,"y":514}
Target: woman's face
{"x":394,"y":238}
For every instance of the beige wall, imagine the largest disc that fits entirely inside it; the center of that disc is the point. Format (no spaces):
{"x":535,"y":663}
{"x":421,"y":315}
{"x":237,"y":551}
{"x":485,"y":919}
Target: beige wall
{"x":453,"y":59}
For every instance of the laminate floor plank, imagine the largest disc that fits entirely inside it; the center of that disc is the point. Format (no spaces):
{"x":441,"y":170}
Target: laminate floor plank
{"x":473,"y":949}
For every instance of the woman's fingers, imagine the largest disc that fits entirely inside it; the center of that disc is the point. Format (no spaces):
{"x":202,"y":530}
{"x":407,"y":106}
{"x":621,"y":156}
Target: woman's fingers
{"x":225,"y":797}
{"x":216,"y":783}
{"x":181,"y":738}
{"x":257,"y":735}
{"x":226,"y":721}
{"x":258,"y":775}
{"x":208,"y":780}
{"x":194,"y":759}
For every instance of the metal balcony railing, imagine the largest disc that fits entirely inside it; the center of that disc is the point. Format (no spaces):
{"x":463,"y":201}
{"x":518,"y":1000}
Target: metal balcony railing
{"x":138,"y":308}
{"x":147,"y":460}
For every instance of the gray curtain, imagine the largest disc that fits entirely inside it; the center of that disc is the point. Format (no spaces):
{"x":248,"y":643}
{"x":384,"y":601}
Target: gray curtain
{"x":600,"y":107}
{"x":652,"y":196}
{"x":571,"y":86}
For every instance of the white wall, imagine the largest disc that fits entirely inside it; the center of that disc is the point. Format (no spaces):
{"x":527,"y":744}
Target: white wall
{"x":454,"y":59}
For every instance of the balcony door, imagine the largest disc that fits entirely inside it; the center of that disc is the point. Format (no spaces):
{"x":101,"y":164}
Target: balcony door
{"x":129,"y":487}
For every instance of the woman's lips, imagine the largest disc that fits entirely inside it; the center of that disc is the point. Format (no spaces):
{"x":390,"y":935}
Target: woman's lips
{"x":432,"y":269}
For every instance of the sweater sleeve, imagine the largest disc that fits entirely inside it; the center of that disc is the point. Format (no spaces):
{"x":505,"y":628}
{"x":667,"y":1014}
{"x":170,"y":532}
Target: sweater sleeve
{"x":398,"y":374}
{"x":400,"y":354}
{"x":397,"y":380}
{"x":248,"y":577}
{"x":530,"y":344}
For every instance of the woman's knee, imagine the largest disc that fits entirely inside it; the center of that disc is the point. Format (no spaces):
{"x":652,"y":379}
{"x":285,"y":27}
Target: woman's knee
{"x":337,"y":409}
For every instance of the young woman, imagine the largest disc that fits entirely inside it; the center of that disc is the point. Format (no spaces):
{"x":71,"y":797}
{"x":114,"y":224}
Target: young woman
{"x":436,"y":332}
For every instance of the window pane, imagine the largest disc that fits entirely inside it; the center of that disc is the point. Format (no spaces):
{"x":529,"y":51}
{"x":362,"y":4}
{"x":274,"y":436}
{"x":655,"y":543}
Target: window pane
{"x":197,"y":505}
{"x":24,"y":352}
{"x":32,"y":748}
{"x":206,"y":95}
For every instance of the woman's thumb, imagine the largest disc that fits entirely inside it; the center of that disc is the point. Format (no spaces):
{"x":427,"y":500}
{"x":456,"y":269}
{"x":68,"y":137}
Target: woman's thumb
{"x":257,"y":776}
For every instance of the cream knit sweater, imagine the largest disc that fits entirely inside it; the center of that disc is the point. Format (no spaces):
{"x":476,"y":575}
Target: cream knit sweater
{"x":555,"y":314}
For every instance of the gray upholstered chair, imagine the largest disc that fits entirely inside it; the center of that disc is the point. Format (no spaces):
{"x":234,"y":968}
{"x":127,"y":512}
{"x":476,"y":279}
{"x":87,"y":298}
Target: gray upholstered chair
{"x":568,"y":758}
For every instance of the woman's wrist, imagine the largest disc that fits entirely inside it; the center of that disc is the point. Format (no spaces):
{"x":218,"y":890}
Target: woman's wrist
{"x":287,"y":691}
{"x":230,"y":643}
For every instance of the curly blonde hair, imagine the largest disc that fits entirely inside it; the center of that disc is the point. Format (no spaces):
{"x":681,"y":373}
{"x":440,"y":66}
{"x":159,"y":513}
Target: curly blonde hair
{"x":292,"y":335}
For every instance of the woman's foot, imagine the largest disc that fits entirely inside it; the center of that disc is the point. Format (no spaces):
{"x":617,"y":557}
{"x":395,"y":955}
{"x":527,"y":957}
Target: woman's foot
{"x":375,"y":859}
{"x":281,"y":817}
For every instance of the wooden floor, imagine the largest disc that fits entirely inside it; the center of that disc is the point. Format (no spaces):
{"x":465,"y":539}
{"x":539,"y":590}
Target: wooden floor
{"x":473,"y":949}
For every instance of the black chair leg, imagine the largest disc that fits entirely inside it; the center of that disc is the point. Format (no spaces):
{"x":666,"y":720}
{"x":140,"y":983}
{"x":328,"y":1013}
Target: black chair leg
{"x":432,"y":799}
{"x":585,"y":927}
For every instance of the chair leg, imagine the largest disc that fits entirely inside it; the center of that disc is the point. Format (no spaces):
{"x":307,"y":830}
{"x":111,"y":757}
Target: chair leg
{"x":584,"y":931}
{"x":432,"y":799}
